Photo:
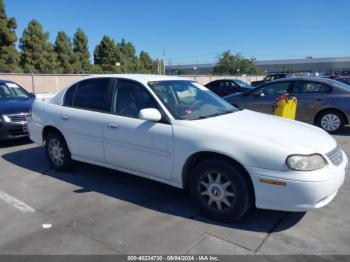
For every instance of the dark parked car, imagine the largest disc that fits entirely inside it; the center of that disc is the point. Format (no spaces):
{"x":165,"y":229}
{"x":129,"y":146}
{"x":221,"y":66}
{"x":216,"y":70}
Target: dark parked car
{"x":224,"y":87}
{"x":269,"y":78}
{"x":321,"y":101}
{"x":15,"y":103}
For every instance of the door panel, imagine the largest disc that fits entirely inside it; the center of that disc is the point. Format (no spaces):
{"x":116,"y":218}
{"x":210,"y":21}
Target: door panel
{"x":133,"y":143}
{"x":139,"y":145}
{"x":311,"y":96}
{"x":308,"y":105}
{"x":83,"y":130}
{"x":269,"y":93}
{"x":260,"y":104}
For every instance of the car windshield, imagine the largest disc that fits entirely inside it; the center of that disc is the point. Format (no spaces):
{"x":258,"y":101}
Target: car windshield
{"x":12,"y":90}
{"x":188,"y":100}
{"x":242,"y":84}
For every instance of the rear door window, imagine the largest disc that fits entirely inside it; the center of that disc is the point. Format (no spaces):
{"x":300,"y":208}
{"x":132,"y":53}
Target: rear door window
{"x":92,"y":94}
{"x":306,"y":87}
{"x":69,"y":96}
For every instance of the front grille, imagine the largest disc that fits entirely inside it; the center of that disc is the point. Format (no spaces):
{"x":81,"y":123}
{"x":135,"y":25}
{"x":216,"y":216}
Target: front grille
{"x":335,"y":156}
{"x":18,"y":118}
{"x":18,"y":132}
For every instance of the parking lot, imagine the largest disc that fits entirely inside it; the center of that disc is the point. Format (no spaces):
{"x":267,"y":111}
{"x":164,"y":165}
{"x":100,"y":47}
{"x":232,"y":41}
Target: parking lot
{"x":94,"y":210}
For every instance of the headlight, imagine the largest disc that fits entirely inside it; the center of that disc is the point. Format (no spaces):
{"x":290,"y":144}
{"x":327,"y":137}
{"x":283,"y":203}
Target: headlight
{"x":306,"y":163}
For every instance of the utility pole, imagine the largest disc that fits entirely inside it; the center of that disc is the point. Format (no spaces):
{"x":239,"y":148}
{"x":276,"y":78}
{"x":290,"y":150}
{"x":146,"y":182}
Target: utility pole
{"x":163,"y":69}
{"x":158,"y":66}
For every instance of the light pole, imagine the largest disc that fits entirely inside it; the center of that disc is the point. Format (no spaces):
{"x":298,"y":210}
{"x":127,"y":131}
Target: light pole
{"x":163,"y":68}
{"x":195,"y":72}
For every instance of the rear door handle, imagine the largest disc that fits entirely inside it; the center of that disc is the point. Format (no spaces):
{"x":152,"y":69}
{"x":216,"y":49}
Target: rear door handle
{"x":112,"y":126}
{"x":65,"y":118}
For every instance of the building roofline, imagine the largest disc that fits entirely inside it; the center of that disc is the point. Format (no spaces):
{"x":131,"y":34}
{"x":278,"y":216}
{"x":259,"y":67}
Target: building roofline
{"x":270,"y":62}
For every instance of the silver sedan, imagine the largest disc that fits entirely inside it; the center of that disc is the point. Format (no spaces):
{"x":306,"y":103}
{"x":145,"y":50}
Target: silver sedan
{"x":323,"y":102}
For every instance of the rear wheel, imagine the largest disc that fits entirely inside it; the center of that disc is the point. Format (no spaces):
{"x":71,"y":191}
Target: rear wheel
{"x":57,"y":152}
{"x":331,"y":121}
{"x":220,"y":190}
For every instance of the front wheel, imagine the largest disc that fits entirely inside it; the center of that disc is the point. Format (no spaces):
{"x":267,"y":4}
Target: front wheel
{"x":331,"y":121}
{"x":57,"y":152}
{"x":220,"y":190}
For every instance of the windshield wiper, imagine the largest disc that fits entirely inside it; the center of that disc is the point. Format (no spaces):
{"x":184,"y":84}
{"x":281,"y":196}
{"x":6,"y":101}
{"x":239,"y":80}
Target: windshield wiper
{"x":216,"y":114}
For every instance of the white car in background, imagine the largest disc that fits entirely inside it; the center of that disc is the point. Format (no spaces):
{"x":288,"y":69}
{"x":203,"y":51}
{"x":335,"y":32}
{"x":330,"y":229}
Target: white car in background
{"x":178,"y":132}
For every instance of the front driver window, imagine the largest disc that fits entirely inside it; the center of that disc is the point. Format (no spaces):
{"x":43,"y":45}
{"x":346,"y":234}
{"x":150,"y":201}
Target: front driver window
{"x":274,"y":89}
{"x":130,"y":98}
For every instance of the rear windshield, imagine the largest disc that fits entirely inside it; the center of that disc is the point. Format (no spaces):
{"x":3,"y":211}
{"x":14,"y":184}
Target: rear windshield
{"x":338,"y":83}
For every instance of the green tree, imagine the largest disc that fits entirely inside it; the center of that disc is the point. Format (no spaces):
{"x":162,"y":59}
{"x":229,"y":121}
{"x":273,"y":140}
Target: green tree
{"x":81,"y":52}
{"x":128,"y":57}
{"x":38,"y":54}
{"x":107,"y":55}
{"x":9,"y":57}
{"x":181,"y":71}
{"x":232,"y":64}
{"x":65,"y":54}
{"x":287,"y":69}
{"x":146,"y":64}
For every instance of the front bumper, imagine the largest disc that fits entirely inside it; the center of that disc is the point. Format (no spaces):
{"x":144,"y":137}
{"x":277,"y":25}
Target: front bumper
{"x":297,"y":195}
{"x":10,"y":131}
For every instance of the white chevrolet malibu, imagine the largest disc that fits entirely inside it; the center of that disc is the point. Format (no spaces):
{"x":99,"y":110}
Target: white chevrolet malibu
{"x":178,"y":132}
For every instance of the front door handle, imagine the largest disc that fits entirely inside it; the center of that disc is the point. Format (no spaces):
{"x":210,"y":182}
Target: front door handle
{"x":112,"y":126}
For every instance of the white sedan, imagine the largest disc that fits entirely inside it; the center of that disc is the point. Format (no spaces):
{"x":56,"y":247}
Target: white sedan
{"x":178,"y":132}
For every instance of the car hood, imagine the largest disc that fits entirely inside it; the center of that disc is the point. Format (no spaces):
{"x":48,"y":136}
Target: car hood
{"x":13,"y":106}
{"x":290,"y":135}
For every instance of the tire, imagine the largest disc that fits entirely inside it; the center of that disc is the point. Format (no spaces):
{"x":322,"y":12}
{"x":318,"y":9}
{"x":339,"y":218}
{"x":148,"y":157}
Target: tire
{"x":57,"y":152}
{"x":331,"y":121}
{"x":232,"y":186}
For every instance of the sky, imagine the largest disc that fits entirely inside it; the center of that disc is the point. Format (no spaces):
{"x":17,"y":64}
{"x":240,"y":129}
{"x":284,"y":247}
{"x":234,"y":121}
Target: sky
{"x":198,"y":31}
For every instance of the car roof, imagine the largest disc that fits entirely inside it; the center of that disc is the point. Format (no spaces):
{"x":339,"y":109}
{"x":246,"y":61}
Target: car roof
{"x":143,"y":78}
{"x":304,"y":78}
{"x":5,"y":81}
{"x":224,"y":79}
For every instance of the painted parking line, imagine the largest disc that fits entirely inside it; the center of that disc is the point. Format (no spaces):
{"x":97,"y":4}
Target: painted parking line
{"x":14,"y":202}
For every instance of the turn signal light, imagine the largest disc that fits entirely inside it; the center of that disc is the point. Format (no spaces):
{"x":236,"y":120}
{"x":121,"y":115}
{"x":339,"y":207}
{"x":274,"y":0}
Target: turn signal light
{"x":273,"y":182}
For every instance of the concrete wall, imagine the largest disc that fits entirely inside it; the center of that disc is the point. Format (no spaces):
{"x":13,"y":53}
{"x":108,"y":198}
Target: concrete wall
{"x":41,"y":84}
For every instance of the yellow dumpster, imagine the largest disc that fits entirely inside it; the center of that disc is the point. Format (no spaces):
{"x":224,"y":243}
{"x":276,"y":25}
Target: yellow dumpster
{"x":285,"y":106}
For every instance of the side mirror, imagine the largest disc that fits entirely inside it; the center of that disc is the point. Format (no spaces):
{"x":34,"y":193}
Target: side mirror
{"x":150,"y":114}
{"x":32,"y":95}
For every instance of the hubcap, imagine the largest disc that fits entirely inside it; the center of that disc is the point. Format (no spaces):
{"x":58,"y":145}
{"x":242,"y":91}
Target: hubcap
{"x":216,"y":191}
{"x":330,"y":122}
{"x":56,"y":152}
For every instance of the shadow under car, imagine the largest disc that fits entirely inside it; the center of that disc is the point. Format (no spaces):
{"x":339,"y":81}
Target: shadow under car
{"x":146,"y":193}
